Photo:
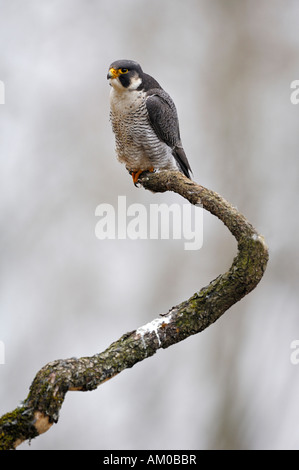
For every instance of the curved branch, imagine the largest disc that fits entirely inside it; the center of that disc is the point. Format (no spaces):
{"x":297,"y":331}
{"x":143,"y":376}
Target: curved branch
{"x":47,"y":392}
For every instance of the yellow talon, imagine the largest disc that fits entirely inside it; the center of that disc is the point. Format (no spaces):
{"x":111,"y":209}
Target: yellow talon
{"x":136,"y":174}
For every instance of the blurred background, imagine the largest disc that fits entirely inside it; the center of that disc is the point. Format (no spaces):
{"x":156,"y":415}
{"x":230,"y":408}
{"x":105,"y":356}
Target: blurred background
{"x":228,"y":66}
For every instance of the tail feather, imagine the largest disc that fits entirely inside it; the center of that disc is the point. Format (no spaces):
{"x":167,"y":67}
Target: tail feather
{"x":182,"y":161}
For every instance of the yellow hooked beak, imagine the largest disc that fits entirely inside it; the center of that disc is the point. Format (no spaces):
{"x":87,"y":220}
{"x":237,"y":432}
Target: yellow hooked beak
{"x":113,"y":73}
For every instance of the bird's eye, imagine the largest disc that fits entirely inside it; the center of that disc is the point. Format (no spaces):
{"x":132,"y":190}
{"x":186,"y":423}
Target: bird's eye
{"x":123,"y":70}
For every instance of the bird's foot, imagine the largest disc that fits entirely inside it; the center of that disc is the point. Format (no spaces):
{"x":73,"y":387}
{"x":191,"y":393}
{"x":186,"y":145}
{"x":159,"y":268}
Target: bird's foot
{"x":136,"y":174}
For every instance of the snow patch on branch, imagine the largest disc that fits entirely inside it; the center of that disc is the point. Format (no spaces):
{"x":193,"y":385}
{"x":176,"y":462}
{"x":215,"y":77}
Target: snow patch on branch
{"x":151,"y":327}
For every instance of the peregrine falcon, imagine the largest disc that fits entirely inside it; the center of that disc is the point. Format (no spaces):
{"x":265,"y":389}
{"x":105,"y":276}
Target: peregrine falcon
{"x":145,"y":122}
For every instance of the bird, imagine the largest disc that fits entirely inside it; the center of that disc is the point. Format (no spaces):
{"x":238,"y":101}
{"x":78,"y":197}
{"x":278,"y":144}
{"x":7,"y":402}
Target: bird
{"x":145,"y":122}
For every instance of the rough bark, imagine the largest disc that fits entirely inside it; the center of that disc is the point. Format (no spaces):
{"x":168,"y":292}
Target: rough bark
{"x":46,"y":395}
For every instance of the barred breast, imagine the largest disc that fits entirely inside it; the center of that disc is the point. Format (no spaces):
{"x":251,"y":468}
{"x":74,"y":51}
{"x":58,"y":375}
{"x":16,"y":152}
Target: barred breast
{"x":137,"y":144}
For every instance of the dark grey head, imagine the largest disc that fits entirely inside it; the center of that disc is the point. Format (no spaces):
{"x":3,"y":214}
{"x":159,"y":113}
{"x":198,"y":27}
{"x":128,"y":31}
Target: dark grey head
{"x":128,"y":74}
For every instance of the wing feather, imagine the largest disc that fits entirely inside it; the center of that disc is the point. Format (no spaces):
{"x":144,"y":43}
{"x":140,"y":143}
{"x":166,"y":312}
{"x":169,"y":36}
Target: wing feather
{"x":164,"y":120}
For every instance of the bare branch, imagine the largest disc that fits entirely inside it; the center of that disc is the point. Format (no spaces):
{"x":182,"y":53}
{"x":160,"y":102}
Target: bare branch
{"x":41,"y":407}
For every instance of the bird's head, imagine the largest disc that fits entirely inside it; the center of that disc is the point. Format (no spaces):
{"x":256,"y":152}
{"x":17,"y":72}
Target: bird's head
{"x":125,"y":75}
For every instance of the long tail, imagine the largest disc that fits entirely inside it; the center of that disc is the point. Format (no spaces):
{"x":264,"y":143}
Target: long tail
{"x":182,"y":161}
